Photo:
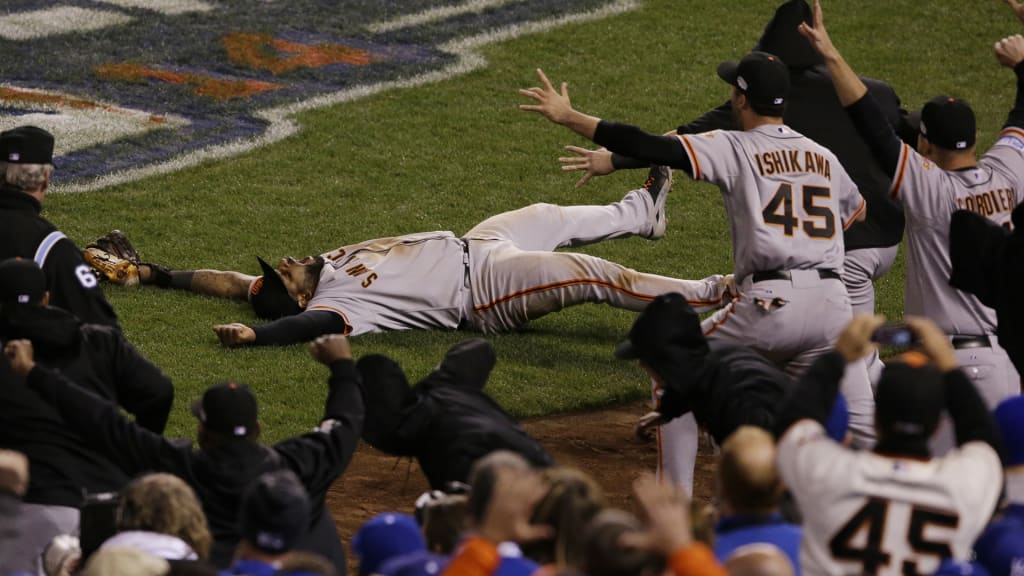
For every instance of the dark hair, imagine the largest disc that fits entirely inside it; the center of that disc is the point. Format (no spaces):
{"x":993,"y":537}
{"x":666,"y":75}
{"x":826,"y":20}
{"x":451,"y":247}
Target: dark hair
{"x":604,"y":556}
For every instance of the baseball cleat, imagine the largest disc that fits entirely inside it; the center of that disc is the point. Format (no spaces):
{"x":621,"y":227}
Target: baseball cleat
{"x":658,"y":185}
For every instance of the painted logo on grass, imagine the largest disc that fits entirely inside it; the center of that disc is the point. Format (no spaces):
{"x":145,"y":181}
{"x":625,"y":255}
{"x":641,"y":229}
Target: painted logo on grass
{"x":133,"y":88}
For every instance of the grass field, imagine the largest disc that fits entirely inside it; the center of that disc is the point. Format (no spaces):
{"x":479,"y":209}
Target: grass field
{"x":446,"y":155}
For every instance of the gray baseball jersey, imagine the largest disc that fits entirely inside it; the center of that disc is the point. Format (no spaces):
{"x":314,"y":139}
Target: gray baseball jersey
{"x":865,"y":513}
{"x":788,"y":198}
{"x":501,"y":274}
{"x":929,"y":196}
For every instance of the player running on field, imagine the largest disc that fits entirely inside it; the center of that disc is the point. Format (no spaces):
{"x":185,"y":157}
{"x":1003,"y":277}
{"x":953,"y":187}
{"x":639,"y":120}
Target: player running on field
{"x":933,"y":183}
{"x":498,"y":276}
{"x":788,"y":201}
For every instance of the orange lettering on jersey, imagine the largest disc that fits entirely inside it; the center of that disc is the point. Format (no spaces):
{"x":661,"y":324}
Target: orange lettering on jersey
{"x":336,"y":255}
{"x":794,"y":161}
{"x":777,"y":162}
{"x":369,"y":280}
{"x":760,"y":167}
{"x":357,"y":270}
{"x":809,"y":160}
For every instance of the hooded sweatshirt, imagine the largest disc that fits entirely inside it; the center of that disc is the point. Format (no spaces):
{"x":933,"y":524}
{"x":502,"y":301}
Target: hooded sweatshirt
{"x":98,"y":357}
{"x":446,"y":421}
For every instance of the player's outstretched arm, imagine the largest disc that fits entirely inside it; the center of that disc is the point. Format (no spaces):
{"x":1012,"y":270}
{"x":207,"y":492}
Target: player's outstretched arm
{"x":1010,"y":53}
{"x":848,"y":86}
{"x":556,"y":107}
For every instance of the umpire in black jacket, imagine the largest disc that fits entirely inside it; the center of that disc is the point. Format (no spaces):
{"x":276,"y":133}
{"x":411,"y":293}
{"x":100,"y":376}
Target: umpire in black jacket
{"x":725,"y":385}
{"x":63,"y":465}
{"x":447,"y":422}
{"x":26,"y":154}
{"x":229,"y":455}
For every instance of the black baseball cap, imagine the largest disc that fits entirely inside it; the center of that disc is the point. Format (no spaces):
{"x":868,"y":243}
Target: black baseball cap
{"x":763,"y":77}
{"x":268,"y":296}
{"x":909,"y":399}
{"x":668,"y":319}
{"x":274,"y":512}
{"x":21,"y":281}
{"x":228,"y":408}
{"x":947,"y":122}
{"x":26,"y":145}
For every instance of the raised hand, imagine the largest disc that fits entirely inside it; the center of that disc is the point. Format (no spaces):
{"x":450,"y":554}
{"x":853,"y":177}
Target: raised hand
{"x":933,"y":342}
{"x":21,"y":356}
{"x":1018,"y":8}
{"x":595,"y":162}
{"x":855,"y":341}
{"x":667,"y":511}
{"x":1010,"y":50}
{"x":817,"y":35}
{"x":555,"y":106}
{"x":327,"y":349}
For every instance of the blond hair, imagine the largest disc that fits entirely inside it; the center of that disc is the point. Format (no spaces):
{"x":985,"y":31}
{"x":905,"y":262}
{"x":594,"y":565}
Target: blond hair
{"x":165,"y":504}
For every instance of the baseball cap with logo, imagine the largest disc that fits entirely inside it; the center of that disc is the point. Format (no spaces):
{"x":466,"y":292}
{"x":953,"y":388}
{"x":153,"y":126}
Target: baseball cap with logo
{"x":384,"y":537}
{"x":26,"y":145}
{"x":763,"y":77}
{"x":910,"y":397}
{"x":948,"y":123}
{"x":21,"y":281}
{"x":275,"y":511}
{"x":227,"y":408}
{"x":269,"y":297}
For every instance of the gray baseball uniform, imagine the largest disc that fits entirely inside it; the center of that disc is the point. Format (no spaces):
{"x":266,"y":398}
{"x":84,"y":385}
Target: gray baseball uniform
{"x":501,"y":274}
{"x":788,"y":201}
{"x":929,"y":196}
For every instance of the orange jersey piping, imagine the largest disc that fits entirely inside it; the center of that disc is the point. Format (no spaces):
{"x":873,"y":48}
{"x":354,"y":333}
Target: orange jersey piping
{"x":578,"y":282}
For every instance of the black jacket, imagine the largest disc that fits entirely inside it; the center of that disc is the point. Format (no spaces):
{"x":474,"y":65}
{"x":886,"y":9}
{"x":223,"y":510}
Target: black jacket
{"x":814,"y":111}
{"x":69,"y":279}
{"x":62,"y":464}
{"x":446,"y":421}
{"x":219,"y":475}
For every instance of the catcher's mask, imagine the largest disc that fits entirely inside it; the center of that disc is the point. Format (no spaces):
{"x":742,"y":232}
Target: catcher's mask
{"x":269,"y":297}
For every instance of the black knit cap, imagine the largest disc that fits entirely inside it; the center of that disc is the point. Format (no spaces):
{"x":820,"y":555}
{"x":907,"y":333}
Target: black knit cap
{"x":275,"y":512}
{"x":667,"y":320}
{"x":269,"y":297}
{"x":763,"y":77}
{"x":26,"y":145}
{"x":21,"y":281}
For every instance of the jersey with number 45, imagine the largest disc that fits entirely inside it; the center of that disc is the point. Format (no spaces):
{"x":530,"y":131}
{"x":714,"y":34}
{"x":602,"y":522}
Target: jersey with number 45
{"x":788,"y":198}
{"x":865,"y":513}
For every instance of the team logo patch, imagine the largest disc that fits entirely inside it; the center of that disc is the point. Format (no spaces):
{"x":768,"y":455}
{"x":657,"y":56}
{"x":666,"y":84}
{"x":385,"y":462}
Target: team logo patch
{"x":132,"y":88}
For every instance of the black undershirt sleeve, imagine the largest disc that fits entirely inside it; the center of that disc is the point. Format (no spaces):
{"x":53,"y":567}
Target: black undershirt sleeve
{"x":302,"y":327}
{"x":643,"y":146}
{"x":814,"y":395}
{"x":870,"y":121}
{"x":971,"y":418}
{"x":1016,"y":117}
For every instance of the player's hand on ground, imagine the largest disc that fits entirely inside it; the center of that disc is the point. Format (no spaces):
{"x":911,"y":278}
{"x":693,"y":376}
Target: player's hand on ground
{"x":817,"y":35}
{"x":329,"y":348}
{"x":648,"y":425}
{"x":21,"y":356}
{"x":513,"y":499}
{"x":234,"y":334}
{"x":1010,"y":50}
{"x":667,"y":511}
{"x":933,"y":342}
{"x":595,"y":162}
{"x":1018,"y":8}
{"x":855,"y":341}
{"x":554,"y":105}
{"x":13,"y":472}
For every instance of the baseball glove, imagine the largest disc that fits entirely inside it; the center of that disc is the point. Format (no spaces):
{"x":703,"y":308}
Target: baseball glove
{"x":111,"y":267}
{"x":116,"y":243}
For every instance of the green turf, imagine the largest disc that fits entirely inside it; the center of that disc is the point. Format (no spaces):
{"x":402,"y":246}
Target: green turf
{"x":447,"y":155}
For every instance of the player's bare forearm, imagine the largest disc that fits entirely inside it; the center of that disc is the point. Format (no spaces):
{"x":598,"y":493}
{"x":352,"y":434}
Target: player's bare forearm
{"x":848,"y":86}
{"x":222,"y":284}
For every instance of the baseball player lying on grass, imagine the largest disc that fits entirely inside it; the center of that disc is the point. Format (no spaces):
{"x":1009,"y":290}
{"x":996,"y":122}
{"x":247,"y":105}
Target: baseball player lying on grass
{"x":498,"y":276}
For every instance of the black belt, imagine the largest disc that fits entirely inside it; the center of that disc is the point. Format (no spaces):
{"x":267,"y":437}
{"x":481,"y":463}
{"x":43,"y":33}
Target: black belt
{"x":962,"y":342}
{"x":823,"y":273}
